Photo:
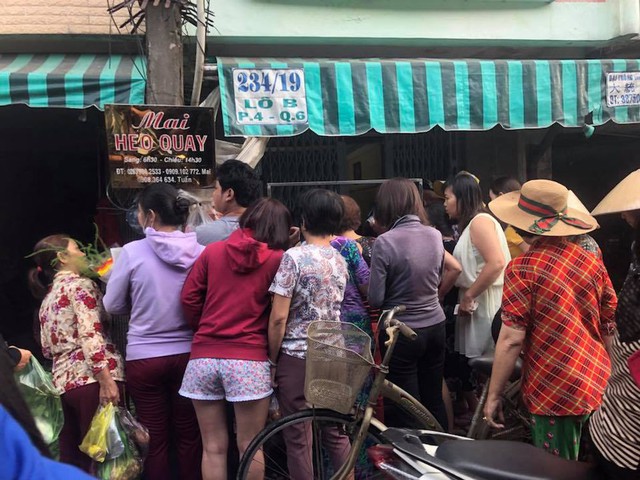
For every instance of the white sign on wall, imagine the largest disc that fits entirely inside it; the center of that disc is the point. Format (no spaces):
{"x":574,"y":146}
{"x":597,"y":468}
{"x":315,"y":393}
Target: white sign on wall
{"x":623,"y":89}
{"x":270,"y":96}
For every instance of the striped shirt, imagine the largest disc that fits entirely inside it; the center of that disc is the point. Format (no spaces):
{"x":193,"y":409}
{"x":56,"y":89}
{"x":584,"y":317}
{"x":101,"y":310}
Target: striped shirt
{"x":615,"y":428}
{"x":562,"y":296}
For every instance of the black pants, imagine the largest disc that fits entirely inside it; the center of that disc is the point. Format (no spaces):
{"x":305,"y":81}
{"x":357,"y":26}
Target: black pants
{"x":417,"y":366}
{"x":609,"y":470}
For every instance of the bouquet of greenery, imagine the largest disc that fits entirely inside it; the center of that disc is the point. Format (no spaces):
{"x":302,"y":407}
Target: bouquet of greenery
{"x":99,"y":258}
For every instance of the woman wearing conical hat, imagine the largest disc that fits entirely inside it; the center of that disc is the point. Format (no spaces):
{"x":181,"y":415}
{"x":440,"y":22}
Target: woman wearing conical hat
{"x":615,"y":428}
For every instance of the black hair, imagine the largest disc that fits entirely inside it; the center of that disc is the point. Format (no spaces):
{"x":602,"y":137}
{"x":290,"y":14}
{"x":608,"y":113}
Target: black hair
{"x":270,"y":222}
{"x":468,"y":198}
{"x":242,"y":179}
{"x":165,"y":200}
{"x":45,"y":256}
{"x":437,"y":216}
{"x":504,"y":184}
{"x":13,"y":402}
{"x":523,"y":233}
{"x":321,"y":211}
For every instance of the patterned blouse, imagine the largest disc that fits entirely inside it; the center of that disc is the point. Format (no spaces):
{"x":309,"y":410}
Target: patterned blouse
{"x":367,"y":247}
{"x":353,"y":308}
{"x":72,"y":333}
{"x":314,"y":278}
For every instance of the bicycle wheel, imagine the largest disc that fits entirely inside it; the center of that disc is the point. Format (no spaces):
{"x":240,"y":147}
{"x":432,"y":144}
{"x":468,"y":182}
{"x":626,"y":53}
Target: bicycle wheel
{"x":330,"y":433}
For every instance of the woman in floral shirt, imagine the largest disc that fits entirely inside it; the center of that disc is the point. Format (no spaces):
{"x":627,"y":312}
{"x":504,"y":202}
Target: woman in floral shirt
{"x":308,"y":286}
{"x":86,"y":365}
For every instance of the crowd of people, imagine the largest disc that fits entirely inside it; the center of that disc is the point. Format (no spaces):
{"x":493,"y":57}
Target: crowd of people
{"x":219,"y":317}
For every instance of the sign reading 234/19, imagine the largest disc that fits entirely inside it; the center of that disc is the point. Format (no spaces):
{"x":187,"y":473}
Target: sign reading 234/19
{"x":270,"y":96}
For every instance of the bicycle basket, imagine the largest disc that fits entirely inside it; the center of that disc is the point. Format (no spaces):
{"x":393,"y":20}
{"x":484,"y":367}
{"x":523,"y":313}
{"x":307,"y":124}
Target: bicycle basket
{"x":338,"y":362}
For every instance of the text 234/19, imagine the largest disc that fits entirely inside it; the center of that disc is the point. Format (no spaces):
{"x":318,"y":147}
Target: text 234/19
{"x":270,"y":81}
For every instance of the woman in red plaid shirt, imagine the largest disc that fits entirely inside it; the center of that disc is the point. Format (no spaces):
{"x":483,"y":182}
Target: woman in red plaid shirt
{"x":558,"y":308}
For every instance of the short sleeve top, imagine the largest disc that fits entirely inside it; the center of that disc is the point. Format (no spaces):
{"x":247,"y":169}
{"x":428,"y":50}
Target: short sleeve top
{"x":315,"y":278}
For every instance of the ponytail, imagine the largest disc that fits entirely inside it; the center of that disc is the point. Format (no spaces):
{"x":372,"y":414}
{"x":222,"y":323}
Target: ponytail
{"x":45,"y":256}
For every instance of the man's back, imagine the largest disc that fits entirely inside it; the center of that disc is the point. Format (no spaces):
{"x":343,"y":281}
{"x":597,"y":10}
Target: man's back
{"x":218,"y":230}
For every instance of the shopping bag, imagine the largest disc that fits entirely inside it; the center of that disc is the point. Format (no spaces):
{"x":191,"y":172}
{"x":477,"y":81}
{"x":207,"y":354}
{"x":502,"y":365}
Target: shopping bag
{"x":95,"y":442}
{"x":136,"y":432}
{"x":634,"y":367}
{"x":129,"y":463}
{"x":42,"y":398}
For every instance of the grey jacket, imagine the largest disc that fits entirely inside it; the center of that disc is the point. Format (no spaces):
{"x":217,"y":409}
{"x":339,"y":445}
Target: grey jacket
{"x":406,"y":269}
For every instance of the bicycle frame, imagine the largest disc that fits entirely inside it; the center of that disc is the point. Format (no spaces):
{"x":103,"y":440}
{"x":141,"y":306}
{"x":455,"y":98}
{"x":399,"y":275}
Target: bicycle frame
{"x":388,"y":390}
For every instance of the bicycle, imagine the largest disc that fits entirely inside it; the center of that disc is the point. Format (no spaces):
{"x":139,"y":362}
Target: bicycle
{"x":517,"y":418}
{"x":358,"y":428}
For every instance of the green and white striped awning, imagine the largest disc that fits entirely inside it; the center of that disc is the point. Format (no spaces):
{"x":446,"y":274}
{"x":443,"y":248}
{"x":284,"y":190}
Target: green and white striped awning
{"x":71,"y":81}
{"x":351,"y":97}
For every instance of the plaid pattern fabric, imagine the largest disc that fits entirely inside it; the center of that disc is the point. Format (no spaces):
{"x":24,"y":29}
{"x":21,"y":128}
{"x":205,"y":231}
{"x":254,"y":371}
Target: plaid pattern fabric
{"x":563,"y":297}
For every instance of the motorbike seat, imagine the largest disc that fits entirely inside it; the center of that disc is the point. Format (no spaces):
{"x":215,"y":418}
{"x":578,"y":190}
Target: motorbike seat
{"x":484,"y":365}
{"x":505,"y":460}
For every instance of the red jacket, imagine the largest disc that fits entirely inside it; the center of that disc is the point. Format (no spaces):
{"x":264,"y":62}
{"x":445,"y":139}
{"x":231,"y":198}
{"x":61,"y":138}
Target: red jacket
{"x":226,"y":298}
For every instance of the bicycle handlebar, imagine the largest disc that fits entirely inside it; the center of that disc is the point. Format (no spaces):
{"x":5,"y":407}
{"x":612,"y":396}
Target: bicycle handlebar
{"x":404,"y":329}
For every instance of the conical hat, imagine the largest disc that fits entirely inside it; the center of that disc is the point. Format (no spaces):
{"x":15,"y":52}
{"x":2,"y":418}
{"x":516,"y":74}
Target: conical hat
{"x":624,"y":197}
{"x":574,"y":202}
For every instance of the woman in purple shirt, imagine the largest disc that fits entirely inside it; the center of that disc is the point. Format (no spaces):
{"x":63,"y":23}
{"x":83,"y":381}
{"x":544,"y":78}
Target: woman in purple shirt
{"x":408,"y":268}
{"x":353,"y":309}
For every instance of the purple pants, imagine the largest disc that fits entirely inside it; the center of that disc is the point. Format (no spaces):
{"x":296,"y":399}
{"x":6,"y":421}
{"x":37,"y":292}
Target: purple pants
{"x":298,"y":438}
{"x":79,"y":406}
{"x":153,"y":384}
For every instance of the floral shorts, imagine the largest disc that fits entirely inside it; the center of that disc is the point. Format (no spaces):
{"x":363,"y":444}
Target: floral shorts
{"x":219,"y":378}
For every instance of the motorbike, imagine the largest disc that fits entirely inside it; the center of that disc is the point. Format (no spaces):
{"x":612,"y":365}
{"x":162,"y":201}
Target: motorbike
{"x":427,"y":455}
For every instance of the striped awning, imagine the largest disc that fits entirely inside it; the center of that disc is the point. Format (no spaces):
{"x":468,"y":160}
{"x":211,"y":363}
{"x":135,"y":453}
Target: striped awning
{"x":72,"y":81}
{"x":351,"y":97}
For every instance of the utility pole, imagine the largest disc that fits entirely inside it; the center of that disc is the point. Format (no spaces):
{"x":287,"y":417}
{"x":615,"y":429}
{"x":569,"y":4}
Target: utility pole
{"x":164,"y":53}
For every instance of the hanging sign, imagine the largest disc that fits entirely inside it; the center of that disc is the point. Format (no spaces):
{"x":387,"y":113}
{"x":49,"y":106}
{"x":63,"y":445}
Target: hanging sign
{"x":159,"y":144}
{"x":623,"y":89}
{"x":270,"y":96}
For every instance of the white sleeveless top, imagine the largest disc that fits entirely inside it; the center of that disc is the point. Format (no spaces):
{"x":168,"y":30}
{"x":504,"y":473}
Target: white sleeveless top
{"x":473,"y":333}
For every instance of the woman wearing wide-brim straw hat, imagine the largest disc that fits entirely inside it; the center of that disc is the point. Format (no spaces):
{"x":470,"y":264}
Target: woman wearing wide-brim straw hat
{"x":558,"y":306}
{"x":615,"y":428}
{"x":542,"y":208}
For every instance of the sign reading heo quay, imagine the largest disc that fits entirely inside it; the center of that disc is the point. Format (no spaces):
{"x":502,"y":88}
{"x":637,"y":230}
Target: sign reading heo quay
{"x":159,"y":144}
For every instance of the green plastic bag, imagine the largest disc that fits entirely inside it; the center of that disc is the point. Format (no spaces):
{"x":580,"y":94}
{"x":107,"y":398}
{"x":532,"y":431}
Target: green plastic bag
{"x":95,"y":442}
{"x":42,"y":398}
{"x":129,"y":463}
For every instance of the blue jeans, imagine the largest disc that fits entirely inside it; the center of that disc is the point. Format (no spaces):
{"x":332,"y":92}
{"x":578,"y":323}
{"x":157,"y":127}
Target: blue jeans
{"x":417,"y":366}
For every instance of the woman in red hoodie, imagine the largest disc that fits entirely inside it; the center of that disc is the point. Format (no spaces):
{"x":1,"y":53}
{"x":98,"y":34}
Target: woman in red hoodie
{"x":226,"y":298}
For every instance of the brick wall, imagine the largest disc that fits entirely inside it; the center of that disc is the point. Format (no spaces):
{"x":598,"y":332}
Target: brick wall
{"x":58,"y":17}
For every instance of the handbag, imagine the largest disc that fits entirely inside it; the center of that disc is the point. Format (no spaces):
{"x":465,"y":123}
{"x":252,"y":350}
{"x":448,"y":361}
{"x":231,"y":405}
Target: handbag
{"x":628,"y":311}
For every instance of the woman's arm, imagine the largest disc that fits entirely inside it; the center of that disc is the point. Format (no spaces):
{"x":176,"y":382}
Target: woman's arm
{"x":378,"y":278}
{"x":194,"y":291}
{"x":85,"y":305}
{"x":117,"y":299}
{"x":485,"y":239}
{"x":452,"y":269}
{"x":277,"y":325}
{"x":361,"y":269}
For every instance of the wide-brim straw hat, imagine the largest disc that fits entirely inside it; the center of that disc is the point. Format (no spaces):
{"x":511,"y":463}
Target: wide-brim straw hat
{"x":624,"y":197}
{"x":540,"y":208}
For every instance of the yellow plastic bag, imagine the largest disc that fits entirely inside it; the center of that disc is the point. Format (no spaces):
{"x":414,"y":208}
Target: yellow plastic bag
{"x":94,"y":443}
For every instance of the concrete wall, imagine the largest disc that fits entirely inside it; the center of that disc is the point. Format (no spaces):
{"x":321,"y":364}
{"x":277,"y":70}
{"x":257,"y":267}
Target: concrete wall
{"x":425,"y":21}
{"x":57,"y":17}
